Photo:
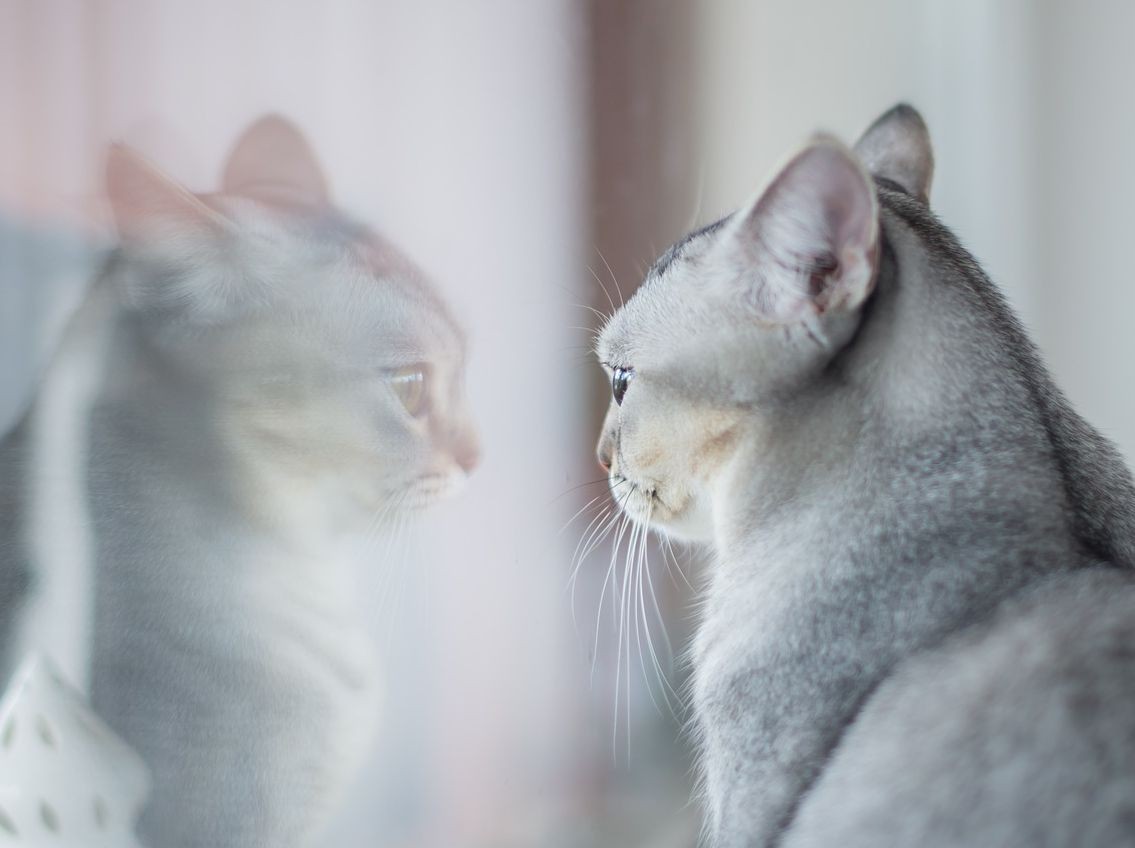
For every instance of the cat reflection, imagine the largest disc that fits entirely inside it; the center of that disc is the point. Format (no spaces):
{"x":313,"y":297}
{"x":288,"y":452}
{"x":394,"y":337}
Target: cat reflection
{"x":276,"y":383}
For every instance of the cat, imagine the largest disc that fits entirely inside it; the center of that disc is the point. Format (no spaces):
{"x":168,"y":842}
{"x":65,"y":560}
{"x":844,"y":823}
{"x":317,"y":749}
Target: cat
{"x":918,"y":623}
{"x":275,"y":384}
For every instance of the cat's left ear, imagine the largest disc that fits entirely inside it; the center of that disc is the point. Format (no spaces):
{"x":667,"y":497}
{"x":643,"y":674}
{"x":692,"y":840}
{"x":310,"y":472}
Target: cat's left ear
{"x":147,"y":203}
{"x":809,"y":245}
{"x":897,"y":148}
{"x":273,"y":158}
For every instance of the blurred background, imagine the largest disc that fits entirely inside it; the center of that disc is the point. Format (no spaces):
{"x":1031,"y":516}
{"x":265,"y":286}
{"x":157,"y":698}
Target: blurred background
{"x":529,"y":155}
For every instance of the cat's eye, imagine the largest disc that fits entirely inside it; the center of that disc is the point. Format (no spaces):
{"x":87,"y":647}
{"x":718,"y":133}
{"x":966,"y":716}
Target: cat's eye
{"x":620,"y":377}
{"x":410,"y":386}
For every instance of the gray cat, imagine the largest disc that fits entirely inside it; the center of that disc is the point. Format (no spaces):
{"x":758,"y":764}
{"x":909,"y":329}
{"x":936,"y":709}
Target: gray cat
{"x":919,"y":623}
{"x":274,"y":383}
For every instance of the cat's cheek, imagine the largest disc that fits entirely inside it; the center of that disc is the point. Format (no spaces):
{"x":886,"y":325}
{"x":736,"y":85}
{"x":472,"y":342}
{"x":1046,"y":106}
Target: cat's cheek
{"x":716,"y":444}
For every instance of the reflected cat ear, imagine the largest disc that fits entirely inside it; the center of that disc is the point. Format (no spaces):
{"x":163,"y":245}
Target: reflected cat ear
{"x":897,"y":148}
{"x":273,"y":158}
{"x":808,"y":245}
{"x":147,"y":201}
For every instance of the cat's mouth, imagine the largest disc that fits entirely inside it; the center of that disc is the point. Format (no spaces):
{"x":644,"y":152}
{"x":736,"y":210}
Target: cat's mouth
{"x":642,"y":502}
{"x":429,"y":488}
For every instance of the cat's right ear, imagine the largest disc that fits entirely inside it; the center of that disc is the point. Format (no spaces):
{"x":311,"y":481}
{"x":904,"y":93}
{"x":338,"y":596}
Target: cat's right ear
{"x":148,"y":203}
{"x":274,"y":157}
{"x":897,"y":148}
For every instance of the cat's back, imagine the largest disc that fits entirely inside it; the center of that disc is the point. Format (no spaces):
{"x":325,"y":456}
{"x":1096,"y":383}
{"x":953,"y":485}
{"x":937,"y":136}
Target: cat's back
{"x":1021,"y":732}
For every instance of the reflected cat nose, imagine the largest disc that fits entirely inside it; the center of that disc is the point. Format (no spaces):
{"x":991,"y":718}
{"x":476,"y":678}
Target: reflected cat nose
{"x":467,"y":453}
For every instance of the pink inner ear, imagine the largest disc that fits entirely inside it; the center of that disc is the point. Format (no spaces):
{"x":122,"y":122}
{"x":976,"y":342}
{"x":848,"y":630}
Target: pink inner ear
{"x":144,"y":198}
{"x":274,"y":158}
{"x":810,"y":239}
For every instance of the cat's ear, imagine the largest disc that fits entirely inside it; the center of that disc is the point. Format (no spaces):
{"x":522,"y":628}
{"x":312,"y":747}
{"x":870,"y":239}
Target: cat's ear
{"x":147,"y":202}
{"x":274,"y":157}
{"x":809,"y":244}
{"x":897,"y":148}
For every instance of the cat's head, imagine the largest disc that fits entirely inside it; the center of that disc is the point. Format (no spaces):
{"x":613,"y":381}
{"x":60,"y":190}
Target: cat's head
{"x":738,"y":319}
{"x":320,"y":355}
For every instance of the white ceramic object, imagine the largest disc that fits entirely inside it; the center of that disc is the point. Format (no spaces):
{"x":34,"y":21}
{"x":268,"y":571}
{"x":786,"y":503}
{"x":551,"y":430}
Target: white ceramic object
{"x":65,"y":778}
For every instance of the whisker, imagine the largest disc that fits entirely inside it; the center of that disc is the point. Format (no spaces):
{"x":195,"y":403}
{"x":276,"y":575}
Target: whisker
{"x":572,"y":582}
{"x":596,"y":541}
{"x":595,"y":527}
{"x":678,"y":566}
{"x":612,"y":577}
{"x":639,"y":610}
{"x":585,"y":544}
{"x":402,"y":573}
{"x":602,"y":286}
{"x":573,"y":293}
{"x":635,"y":608}
{"x":623,"y":520}
{"x":581,"y":486}
{"x":663,"y":679}
{"x":579,"y":512}
{"x":623,"y":599}
{"x":614,"y":279}
{"x":585,"y":485}
{"x":591,"y":309}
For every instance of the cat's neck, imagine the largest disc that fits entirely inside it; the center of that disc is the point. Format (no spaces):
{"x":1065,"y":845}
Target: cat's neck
{"x":861,"y":527}
{"x":944,"y":480}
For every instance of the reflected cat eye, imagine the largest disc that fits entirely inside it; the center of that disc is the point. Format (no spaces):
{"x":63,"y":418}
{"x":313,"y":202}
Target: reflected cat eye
{"x":409,"y":384}
{"x":620,"y":377}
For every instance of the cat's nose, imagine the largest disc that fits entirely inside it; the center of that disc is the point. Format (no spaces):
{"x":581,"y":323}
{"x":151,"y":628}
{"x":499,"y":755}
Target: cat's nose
{"x":604,"y":453}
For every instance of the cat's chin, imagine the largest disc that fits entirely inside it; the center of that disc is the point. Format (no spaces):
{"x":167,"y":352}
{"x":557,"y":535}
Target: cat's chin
{"x":429,"y":489}
{"x":414,"y":496}
{"x":653,"y":508}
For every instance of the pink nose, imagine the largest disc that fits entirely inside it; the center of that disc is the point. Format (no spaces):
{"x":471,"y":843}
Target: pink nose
{"x":467,"y":453}
{"x":603,"y":455}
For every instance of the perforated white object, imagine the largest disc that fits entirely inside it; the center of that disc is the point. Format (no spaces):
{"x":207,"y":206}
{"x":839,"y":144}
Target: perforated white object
{"x":65,"y":778}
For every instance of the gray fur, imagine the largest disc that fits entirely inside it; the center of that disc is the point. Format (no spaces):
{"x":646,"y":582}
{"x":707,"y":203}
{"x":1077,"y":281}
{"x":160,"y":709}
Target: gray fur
{"x":1015,"y":732}
{"x":243,"y":445}
{"x":897,"y":148}
{"x":16,"y":572}
{"x":883,"y":482}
